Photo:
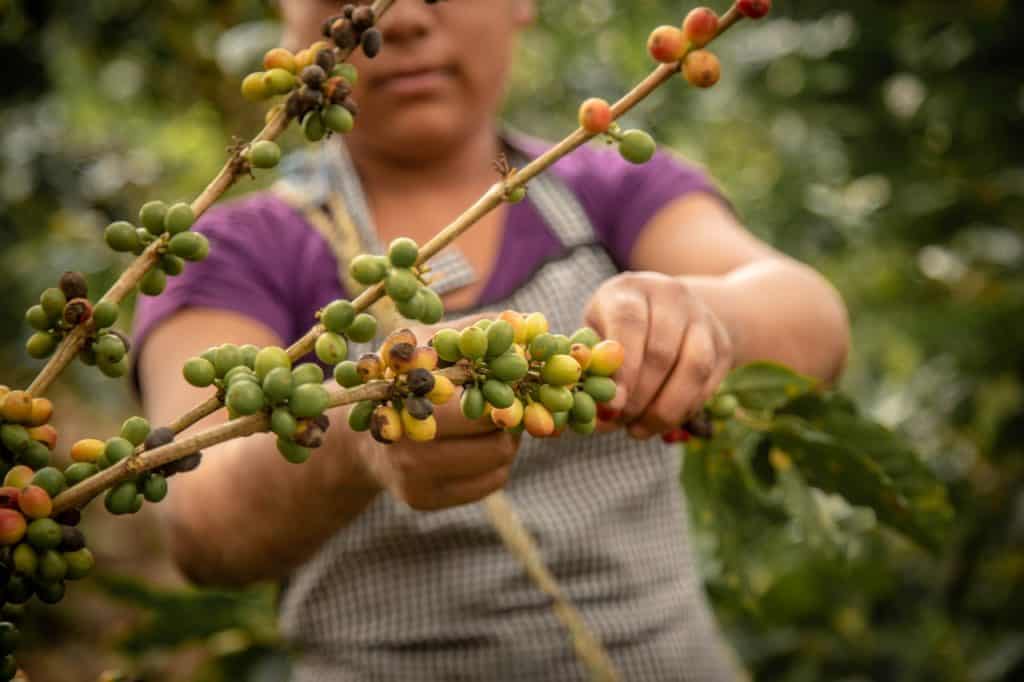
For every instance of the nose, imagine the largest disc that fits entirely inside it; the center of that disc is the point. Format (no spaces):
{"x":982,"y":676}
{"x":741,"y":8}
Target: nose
{"x":408,"y":22}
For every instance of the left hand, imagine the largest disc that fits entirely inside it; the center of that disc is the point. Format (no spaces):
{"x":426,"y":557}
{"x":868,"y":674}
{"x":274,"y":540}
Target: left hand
{"x":677,"y":350}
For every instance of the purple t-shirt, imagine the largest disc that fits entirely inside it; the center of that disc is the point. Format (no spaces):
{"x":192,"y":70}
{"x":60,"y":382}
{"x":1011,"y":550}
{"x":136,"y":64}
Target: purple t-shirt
{"x":268,"y":263}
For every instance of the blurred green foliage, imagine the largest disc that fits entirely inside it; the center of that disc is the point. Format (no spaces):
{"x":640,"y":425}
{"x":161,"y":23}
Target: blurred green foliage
{"x":878,"y":141}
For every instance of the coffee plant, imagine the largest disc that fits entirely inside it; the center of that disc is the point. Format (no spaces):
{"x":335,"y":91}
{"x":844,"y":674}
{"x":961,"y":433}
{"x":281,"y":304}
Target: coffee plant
{"x":512,"y":369}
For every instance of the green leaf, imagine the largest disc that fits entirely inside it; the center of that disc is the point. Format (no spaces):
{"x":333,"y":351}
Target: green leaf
{"x":871,"y":466}
{"x":766,"y":386}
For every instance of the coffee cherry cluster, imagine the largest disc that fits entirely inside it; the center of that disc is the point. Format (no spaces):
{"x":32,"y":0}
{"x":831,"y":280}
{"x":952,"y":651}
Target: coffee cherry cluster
{"x":415,"y":389}
{"x":668,"y":45}
{"x":61,"y":309}
{"x":530,"y":379}
{"x":596,"y":117}
{"x":38,"y":552}
{"x":316,"y":80}
{"x":402,"y":280}
{"x":252,"y":380}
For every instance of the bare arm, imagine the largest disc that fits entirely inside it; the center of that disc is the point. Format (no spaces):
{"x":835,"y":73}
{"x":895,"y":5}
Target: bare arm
{"x":246,"y":514}
{"x":703,"y":296}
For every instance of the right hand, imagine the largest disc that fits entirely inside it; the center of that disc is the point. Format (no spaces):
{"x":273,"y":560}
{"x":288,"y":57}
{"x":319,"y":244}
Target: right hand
{"x":467,"y":461}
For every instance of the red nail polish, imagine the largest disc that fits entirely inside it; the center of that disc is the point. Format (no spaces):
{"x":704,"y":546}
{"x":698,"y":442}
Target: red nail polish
{"x":607,"y":414}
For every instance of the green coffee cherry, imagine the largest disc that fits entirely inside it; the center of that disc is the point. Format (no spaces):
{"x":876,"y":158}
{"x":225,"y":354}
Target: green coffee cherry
{"x":584,"y":409}
{"x":403,"y":252}
{"x":308,"y":373}
{"x":636,"y":146}
{"x":308,"y":400}
{"x":179,"y":218}
{"x":199,"y":372}
{"x":245,"y":398}
{"x":331,"y":348}
{"x":152,"y":216}
{"x":14,"y":437}
{"x":52,"y":567}
{"x":584,"y":428}
{"x":362,"y":329}
{"x":153,"y":282}
{"x":500,"y":336}
{"x":560,"y":370}
{"x":601,"y":389}
{"x":121,"y":236}
{"x":346,"y":71}
{"x":543,"y":347}
{"x":556,"y":398}
{"x":51,"y":480}
{"x":10,"y":638}
{"x":279,"y":81}
{"x":367,"y":269}
{"x":186,"y":245}
{"x":104,"y":314}
{"x":339,"y":119}
{"x":562,"y":344}
{"x":337,"y":316}
{"x":171,"y":264}
{"x":560,"y":419}
{"x":508,"y":367}
{"x":37,"y":318}
{"x":724,"y":406}
{"x":8,"y":667}
{"x":446,"y":343}
{"x":79,"y":471}
{"x":292,"y":451}
{"x":50,"y":593}
{"x":53,"y":301}
{"x":226,"y":357}
{"x":41,"y":345}
{"x":313,"y":126}
{"x":240,"y":373}
{"x":433,"y":307}
{"x":109,"y":348}
{"x":134,"y":430}
{"x":80,"y":563}
{"x":35,"y":455}
{"x":473,"y":343}
{"x":114,"y":370}
{"x":472,"y":403}
{"x":118,"y":448}
{"x":585,"y":335}
{"x":270,"y":358}
{"x":43,"y":534}
{"x":347,"y":375}
{"x":264,"y":154}
{"x":498,"y":393}
{"x":283,"y":423}
{"x":413,"y":308}
{"x":154,"y":489}
{"x":278,"y":385}
{"x":360,"y":415}
{"x":484,"y":324}
{"x":122,"y":498}
{"x":25,"y":559}
{"x":18,"y":590}
{"x":401,"y":284}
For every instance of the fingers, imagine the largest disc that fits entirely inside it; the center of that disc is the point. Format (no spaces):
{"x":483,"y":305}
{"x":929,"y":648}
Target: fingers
{"x":452,"y":424}
{"x":699,"y":370}
{"x":623,"y":316}
{"x":452,"y":472}
{"x":665,"y":335}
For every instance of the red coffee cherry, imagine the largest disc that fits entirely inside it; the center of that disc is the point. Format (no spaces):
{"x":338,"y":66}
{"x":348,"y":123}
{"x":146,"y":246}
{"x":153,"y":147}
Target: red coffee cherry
{"x":754,"y":9}
{"x":700,"y":26}
{"x":666,"y":44}
{"x":595,"y":116}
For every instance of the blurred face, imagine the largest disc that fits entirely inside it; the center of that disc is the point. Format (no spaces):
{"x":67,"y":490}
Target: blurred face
{"x":440,"y":76}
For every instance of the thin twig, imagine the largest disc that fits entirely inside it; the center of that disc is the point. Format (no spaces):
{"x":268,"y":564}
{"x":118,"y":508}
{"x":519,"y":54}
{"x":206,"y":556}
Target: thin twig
{"x":80,"y":494}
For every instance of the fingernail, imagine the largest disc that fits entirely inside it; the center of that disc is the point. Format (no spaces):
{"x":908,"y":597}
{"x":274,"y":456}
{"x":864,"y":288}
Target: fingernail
{"x":606,"y":413}
{"x":639,"y":432}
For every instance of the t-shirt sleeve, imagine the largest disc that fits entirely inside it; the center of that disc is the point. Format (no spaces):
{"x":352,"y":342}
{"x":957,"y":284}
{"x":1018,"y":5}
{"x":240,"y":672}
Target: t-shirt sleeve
{"x":621,"y":198}
{"x":254,"y":268}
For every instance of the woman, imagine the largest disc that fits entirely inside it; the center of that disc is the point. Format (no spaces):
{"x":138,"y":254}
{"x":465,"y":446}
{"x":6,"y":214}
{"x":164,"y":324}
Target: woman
{"x":376,"y":588}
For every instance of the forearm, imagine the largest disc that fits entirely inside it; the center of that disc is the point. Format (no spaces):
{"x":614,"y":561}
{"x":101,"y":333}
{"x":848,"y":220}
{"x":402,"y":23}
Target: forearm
{"x":246,"y":514}
{"x":780,"y":310}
